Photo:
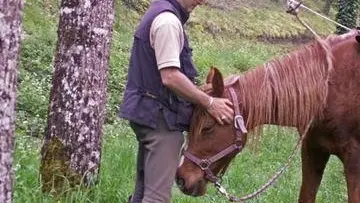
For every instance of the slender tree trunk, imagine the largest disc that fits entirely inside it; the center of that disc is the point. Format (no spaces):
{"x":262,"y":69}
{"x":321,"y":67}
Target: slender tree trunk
{"x":10,"y":31}
{"x":347,"y":14}
{"x":72,"y":142}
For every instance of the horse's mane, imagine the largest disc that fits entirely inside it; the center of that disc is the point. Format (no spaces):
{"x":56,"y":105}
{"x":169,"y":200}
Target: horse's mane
{"x":334,"y":39}
{"x":292,"y":90}
{"x":289,"y":91}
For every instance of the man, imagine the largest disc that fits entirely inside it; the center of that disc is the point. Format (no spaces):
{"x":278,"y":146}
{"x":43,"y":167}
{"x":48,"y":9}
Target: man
{"x":159,"y":95}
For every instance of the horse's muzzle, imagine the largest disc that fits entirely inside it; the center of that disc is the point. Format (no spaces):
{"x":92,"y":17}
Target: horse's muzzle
{"x":197,"y":189}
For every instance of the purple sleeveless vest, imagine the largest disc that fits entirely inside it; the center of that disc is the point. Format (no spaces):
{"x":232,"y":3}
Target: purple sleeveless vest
{"x":145,"y":96}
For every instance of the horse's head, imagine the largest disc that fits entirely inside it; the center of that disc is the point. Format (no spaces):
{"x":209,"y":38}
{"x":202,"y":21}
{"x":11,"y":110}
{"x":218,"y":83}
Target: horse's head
{"x":211,"y":146}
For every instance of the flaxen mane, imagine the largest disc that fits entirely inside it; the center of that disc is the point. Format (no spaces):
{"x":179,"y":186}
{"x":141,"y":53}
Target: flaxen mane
{"x":290,"y":91}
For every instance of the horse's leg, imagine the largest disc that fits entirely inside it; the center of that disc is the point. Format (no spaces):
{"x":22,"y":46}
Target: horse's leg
{"x":314,"y":160}
{"x":351,"y":162}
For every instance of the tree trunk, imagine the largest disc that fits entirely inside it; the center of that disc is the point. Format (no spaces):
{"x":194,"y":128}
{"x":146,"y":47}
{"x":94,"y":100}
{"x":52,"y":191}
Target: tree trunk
{"x":347,"y":14}
{"x":72,"y":142}
{"x":326,"y":9}
{"x":10,"y":31}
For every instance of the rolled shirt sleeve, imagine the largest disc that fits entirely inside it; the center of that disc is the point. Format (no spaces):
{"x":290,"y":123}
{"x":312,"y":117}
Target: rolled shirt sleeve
{"x":167,"y":39}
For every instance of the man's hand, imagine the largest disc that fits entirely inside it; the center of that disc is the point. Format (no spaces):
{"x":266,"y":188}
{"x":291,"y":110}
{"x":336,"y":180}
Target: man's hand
{"x":221,"y":110}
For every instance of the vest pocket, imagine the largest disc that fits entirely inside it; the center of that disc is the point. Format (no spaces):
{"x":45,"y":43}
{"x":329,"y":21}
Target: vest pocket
{"x":184,"y":113}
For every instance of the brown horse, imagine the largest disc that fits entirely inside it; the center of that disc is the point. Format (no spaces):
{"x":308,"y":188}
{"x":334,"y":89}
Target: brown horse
{"x":315,"y":89}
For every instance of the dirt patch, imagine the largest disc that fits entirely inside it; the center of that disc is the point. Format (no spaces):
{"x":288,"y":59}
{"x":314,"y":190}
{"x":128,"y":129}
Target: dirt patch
{"x":299,"y":39}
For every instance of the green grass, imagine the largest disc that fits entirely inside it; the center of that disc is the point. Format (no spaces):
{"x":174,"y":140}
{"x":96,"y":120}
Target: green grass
{"x":249,"y":171}
{"x":269,"y":21}
{"x":224,"y":39}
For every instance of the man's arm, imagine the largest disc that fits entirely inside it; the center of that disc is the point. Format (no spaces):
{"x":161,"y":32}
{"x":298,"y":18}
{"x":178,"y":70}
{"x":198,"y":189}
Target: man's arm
{"x":166,"y":37}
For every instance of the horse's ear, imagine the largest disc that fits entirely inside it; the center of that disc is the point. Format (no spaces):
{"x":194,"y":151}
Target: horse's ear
{"x":357,"y":34}
{"x":217,"y":82}
{"x":210,"y":75}
{"x":357,"y":38}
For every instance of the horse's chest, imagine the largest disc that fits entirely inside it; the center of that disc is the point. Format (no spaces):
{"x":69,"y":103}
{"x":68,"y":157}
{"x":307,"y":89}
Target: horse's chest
{"x":334,"y":141}
{"x":330,"y":143}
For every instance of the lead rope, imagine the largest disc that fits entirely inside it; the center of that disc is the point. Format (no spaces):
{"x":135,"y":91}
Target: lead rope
{"x":294,"y":9}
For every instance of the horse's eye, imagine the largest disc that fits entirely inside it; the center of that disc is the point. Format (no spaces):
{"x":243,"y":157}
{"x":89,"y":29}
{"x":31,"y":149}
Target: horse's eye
{"x":208,"y":130}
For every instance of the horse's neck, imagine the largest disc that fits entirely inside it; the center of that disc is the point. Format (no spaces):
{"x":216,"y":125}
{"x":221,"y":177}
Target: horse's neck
{"x":287,"y":92}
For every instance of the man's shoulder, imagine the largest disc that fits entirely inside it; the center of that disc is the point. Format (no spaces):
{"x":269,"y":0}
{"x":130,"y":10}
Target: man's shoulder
{"x":167,"y":17}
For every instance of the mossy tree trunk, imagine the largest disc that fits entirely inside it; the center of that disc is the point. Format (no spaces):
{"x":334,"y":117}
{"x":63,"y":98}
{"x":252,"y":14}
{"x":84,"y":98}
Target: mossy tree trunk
{"x":10,"y":31}
{"x":72,"y":143}
{"x":347,"y":14}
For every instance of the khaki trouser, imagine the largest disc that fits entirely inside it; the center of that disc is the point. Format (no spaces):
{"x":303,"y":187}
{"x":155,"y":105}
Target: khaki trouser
{"x":157,"y":161}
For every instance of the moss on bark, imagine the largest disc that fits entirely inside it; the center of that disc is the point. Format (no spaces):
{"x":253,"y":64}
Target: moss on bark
{"x":56,"y":174}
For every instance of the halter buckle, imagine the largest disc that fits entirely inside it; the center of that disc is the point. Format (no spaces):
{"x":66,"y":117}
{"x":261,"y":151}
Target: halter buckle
{"x":239,"y":145}
{"x":204,"y":164}
{"x":239,"y":124}
{"x":293,"y":7}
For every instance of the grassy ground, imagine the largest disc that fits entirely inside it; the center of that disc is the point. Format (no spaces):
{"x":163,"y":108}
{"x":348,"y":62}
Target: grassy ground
{"x":248,"y":172}
{"x":218,"y":38}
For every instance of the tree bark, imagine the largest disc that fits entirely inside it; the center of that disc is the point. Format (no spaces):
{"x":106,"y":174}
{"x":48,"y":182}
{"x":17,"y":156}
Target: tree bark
{"x":10,"y":32}
{"x":72,"y":143}
{"x":347,"y":14}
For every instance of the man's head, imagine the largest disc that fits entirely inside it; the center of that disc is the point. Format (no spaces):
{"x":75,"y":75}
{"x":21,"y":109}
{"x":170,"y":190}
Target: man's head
{"x":189,"y":5}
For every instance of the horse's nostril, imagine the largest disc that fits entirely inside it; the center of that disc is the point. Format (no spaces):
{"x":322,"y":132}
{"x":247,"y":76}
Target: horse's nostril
{"x":180,"y":182}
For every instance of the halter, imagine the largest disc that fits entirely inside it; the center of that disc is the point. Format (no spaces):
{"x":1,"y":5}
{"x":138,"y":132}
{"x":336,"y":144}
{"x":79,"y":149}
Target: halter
{"x":238,"y":145}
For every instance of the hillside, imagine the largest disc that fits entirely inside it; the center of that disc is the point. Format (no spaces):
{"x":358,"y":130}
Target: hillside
{"x":252,"y":19}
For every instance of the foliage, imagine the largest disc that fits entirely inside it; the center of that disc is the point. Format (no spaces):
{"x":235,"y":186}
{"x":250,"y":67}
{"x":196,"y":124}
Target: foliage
{"x":347,"y":14}
{"x":138,"y":5}
{"x":34,"y":79}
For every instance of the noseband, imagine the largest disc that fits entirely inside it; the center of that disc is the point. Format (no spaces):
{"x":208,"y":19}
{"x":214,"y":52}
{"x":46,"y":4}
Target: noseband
{"x":240,"y":130}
